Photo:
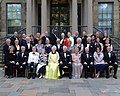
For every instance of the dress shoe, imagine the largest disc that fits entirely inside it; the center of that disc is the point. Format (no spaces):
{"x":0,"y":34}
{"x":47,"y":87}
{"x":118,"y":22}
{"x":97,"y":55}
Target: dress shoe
{"x":33,"y":76}
{"x":107,"y":77}
{"x":60,"y":77}
{"x":86,"y":77}
{"x":70,"y":77}
{"x":115,"y":77}
{"x":92,"y":77}
{"x":29,"y":76}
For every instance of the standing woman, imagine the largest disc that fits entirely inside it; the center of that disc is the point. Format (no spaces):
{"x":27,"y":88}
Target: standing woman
{"x":17,"y":47}
{"x":105,"y":37}
{"x":39,"y":46}
{"x":79,"y":45}
{"x":77,"y":65}
{"x":47,"y":46}
{"x":52,"y":70}
{"x":10,"y":60}
{"x":99,"y":61}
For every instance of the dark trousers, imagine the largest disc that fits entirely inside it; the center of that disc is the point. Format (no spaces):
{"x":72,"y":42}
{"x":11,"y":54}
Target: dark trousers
{"x":88,"y":68}
{"x":42,"y":70}
{"x":32,"y":68}
{"x":115,"y":66}
{"x":69,"y":68}
{"x":10,"y":70}
{"x":21,"y":70}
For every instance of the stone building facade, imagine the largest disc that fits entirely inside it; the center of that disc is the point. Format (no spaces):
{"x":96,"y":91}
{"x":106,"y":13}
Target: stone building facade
{"x":59,"y":16}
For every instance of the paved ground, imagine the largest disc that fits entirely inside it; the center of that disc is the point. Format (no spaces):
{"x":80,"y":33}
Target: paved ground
{"x":60,"y":87}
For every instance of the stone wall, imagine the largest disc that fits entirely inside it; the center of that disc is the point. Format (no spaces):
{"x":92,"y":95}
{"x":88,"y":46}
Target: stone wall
{"x":3,"y":31}
{"x":116,"y":25}
{"x":116,"y":15}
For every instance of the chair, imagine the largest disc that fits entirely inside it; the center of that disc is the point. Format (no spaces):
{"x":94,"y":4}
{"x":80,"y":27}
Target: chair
{"x":111,"y":71}
{"x":65,"y":71}
{"x":5,"y":67}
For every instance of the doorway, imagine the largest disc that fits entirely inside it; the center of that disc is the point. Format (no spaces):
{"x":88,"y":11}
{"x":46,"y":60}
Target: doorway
{"x":59,"y":16}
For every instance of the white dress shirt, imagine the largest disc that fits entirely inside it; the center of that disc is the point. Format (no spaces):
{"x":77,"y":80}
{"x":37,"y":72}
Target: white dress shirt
{"x":33,"y":57}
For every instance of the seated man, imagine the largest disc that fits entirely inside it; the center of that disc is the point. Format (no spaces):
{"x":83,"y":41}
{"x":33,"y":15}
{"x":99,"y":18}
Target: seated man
{"x":33,"y":59}
{"x":65,"y":60}
{"x":111,"y":60}
{"x":21,"y":62}
{"x":87,"y":61}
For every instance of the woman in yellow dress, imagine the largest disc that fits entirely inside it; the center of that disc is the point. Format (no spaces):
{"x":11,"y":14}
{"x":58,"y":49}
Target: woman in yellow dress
{"x":52,"y":69}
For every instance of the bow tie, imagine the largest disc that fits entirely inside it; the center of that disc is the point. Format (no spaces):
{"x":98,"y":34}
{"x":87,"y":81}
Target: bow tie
{"x":33,"y":53}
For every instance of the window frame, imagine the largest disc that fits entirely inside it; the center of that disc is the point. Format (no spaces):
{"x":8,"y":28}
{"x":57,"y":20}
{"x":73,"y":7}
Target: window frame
{"x":106,"y":28}
{"x":15,"y":27}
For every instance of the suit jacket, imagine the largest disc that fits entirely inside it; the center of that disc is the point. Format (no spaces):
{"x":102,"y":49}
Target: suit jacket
{"x":111,"y":59}
{"x":21,"y":59}
{"x":60,"y":49}
{"x":75,"y":39}
{"x":23,"y":42}
{"x":68,"y":57}
{"x":10,"y":57}
{"x":13,"y":38}
{"x":85,"y":59}
{"x":84,"y":40}
{"x":5,"y":49}
{"x":91,"y":48}
{"x":44,"y":39}
{"x":30,"y":49}
{"x":6,"y":52}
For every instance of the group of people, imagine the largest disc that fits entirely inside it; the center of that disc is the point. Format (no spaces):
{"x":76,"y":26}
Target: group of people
{"x":45,"y":57}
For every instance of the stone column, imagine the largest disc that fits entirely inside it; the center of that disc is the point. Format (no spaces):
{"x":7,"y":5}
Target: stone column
{"x":29,"y":17}
{"x":74,"y":16}
{"x":34,"y":16}
{"x":44,"y":16}
{"x":88,"y":16}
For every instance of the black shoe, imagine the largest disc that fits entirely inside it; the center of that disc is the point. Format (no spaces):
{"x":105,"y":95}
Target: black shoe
{"x":33,"y":76}
{"x":8,"y":77}
{"x":23,"y":75}
{"x":107,"y":77}
{"x":86,"y":77}
{"x":60,"y":77}
{"x":29,"y":76}
{"x":92,"y":77}
{"x":115,"y":77}
{"x":70,"y":77}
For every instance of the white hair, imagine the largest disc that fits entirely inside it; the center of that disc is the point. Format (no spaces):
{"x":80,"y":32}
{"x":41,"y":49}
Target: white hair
{"x":54,"y":47}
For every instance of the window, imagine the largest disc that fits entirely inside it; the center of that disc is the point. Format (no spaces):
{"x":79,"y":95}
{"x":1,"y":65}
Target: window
{"x":13,"y":18}
{"x":105,"y":17}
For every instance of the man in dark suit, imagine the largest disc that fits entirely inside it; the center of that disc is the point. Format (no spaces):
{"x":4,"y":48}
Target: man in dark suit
{"x":6,"y":52}
{"x":21,"y":62}
{"x":13,"y":38}
{"x":59,"y":46}
{"x":28,"y":45}
{"x":23,"y":40}
{"x":65,"y":60}
{"x":6,"y":49}
{"x":90,"y":45}
{"x":111,"y":60}
{"x":87,"y":61}
{"x":44,"y":38}
{"x":84,"y":38}
{"x":76,"y":36}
